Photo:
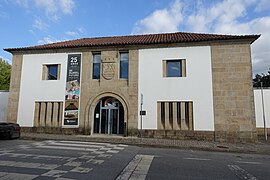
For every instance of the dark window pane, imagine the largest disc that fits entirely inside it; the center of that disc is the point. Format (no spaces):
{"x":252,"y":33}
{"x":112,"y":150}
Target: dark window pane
{"x":124,"y":65}
{"x":173,"y":69}
{"x":162,"y":107}
{"x":96,"y":71}
{"x":96,"y":66}
{"x":52,"y":72}
{"x":171,"y":112}
{"x":124,"y":69}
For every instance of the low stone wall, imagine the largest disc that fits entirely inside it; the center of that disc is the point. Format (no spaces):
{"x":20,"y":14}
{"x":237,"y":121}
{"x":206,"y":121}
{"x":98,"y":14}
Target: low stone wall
{"x":53,"y":130}
{"x":179,"y":134}
{"x":161,"y":134}
{"x":260,"y":132}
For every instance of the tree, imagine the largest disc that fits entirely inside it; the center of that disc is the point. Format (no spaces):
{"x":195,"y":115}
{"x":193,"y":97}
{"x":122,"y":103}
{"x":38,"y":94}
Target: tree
{"x":5,"y":73}
{"x":264,"y":78}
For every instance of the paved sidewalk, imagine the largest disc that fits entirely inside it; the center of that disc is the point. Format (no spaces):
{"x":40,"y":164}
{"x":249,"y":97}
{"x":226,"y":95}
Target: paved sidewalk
{"x":258,"y":148}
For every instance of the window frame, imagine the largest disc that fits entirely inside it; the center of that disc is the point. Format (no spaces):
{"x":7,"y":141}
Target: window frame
{"x":120,"y":65}
{"x":182,"y":63}
{"x":46,"y":69}
{"x":95,"y":63}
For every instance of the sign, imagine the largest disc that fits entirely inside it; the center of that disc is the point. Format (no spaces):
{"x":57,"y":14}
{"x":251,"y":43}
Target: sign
{"x":142,"y":113}
{"x":72,"y":96}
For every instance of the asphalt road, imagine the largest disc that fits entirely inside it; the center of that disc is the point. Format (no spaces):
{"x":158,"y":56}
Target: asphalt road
{"x":22,"y":159}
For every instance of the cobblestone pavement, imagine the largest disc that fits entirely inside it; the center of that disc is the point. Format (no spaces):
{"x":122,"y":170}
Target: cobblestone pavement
{"x":258,"y":148}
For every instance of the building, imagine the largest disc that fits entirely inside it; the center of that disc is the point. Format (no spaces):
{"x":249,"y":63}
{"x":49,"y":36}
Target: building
{"x":190,"y":85}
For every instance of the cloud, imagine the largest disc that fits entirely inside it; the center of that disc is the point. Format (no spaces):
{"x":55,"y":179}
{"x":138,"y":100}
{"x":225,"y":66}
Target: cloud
{"x":162,"y":20}
{"x":48,"y":40}
{"x":76,"y":33}
{"x":222,"y":17}
{"x":40,"y":25}
{"x":72,"y":33}
{"x":67,"y":6}
{"x":53,"y":9}
{"x":23,"y":3}
{"x":262,"y":5}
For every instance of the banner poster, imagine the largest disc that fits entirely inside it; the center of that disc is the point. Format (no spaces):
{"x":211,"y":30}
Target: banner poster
{"x":72,"y":96}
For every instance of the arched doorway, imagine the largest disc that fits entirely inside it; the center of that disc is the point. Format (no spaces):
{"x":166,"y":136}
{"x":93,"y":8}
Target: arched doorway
{"x":109,"y":116}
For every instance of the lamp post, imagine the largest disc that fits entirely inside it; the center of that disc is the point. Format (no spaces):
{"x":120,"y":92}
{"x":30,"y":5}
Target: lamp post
{"x":264,"y":125}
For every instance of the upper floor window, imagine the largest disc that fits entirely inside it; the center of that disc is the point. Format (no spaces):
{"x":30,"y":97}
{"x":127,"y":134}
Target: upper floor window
{"x":96,"y":65}
{"x":174,"y":68}
{"x":124,"y":58}
{"x":51,"y":72}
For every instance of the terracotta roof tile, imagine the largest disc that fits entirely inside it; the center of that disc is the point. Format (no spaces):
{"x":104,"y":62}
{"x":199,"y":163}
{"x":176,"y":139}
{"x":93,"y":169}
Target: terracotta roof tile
{"x":147,"y":39}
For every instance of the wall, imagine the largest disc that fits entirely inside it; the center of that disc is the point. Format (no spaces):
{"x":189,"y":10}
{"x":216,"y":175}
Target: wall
{"x":233,"y":92}
{"x":196,"y":86}
{"x":33,"y":88}
{"x":3,"y":105}
{"x":258,"y":107}
{"x":14,"y":89}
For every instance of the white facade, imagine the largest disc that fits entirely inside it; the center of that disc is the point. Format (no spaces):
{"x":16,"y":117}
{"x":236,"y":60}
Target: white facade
{"x":3,"y":105}
{"x":195,"y":87}
{"x":33,"y":88}
{"x":259,"y":107}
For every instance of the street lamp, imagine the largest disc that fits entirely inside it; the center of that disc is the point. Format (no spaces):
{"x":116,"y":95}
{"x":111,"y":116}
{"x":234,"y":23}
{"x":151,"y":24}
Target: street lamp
{"x":265,"y":131}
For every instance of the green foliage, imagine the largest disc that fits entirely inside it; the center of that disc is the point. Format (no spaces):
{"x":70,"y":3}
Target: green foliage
{"x":264,"y":78}
{"x":5,"y":73}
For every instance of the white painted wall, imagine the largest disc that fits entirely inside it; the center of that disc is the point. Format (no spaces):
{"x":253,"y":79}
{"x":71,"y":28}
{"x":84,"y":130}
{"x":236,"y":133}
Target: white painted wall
{"x":33,"y":88}
{"x":196,"y":87}
{"x":258,"y":107}
{"x":3,"y":105}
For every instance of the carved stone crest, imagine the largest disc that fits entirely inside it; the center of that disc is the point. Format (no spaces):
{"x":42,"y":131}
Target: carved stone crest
{"x":108,"y":70}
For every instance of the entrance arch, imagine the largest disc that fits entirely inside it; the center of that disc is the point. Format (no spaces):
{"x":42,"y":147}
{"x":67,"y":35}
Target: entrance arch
{"x":109,"y":116}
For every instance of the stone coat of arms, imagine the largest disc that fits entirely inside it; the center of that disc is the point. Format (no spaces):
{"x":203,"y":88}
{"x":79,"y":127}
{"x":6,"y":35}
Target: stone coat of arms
{"x":108,"y":70}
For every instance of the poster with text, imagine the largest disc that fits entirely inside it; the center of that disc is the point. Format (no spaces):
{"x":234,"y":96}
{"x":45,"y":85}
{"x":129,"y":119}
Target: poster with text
{"x":72,"y":96}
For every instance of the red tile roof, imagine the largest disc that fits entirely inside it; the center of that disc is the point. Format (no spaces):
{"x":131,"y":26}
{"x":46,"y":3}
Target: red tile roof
{"x":147,"y":39}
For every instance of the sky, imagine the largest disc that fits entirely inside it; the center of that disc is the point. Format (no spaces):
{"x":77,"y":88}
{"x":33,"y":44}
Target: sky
{"x":34,"y":22}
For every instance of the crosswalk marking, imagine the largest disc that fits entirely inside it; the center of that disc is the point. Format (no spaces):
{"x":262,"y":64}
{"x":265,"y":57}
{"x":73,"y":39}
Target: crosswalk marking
{"x":16,"y":176}
{"x":88,"y":156}
{"x":67,"y":148}
{"x":137,"y":168}
{"x":28,"y":165}
{"x":197,"y":159}
{"x":241,"y":173}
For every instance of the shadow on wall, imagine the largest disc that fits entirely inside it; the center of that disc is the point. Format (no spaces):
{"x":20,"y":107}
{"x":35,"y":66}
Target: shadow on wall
{"x":3,"y":105}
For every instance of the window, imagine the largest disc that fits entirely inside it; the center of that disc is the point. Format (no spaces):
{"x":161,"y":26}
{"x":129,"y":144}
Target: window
{"x":174,"y":68}
{"x":96,"y":66}
{"x":51,"y":72}
{"x":124,"y":65}
{"x":175,"y":115}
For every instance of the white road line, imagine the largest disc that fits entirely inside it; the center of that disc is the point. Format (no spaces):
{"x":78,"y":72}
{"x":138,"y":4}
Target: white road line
{"x":35,"y":156}
{"x":16,"y":176}
{"x":76,"y":145}
{"x":28,"y":165}
{"x":67,"y":148}
{"x":248,"y":162}
{"x":81,"y":142}
{"x":197,"y":159}
{"x":137,"y":168}
{"x":241,"y":173}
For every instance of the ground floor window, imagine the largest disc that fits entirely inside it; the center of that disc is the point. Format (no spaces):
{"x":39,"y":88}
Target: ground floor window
{"x":109,"y":116}
{"x":48,"y":114}
{"x":175,"y":115}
